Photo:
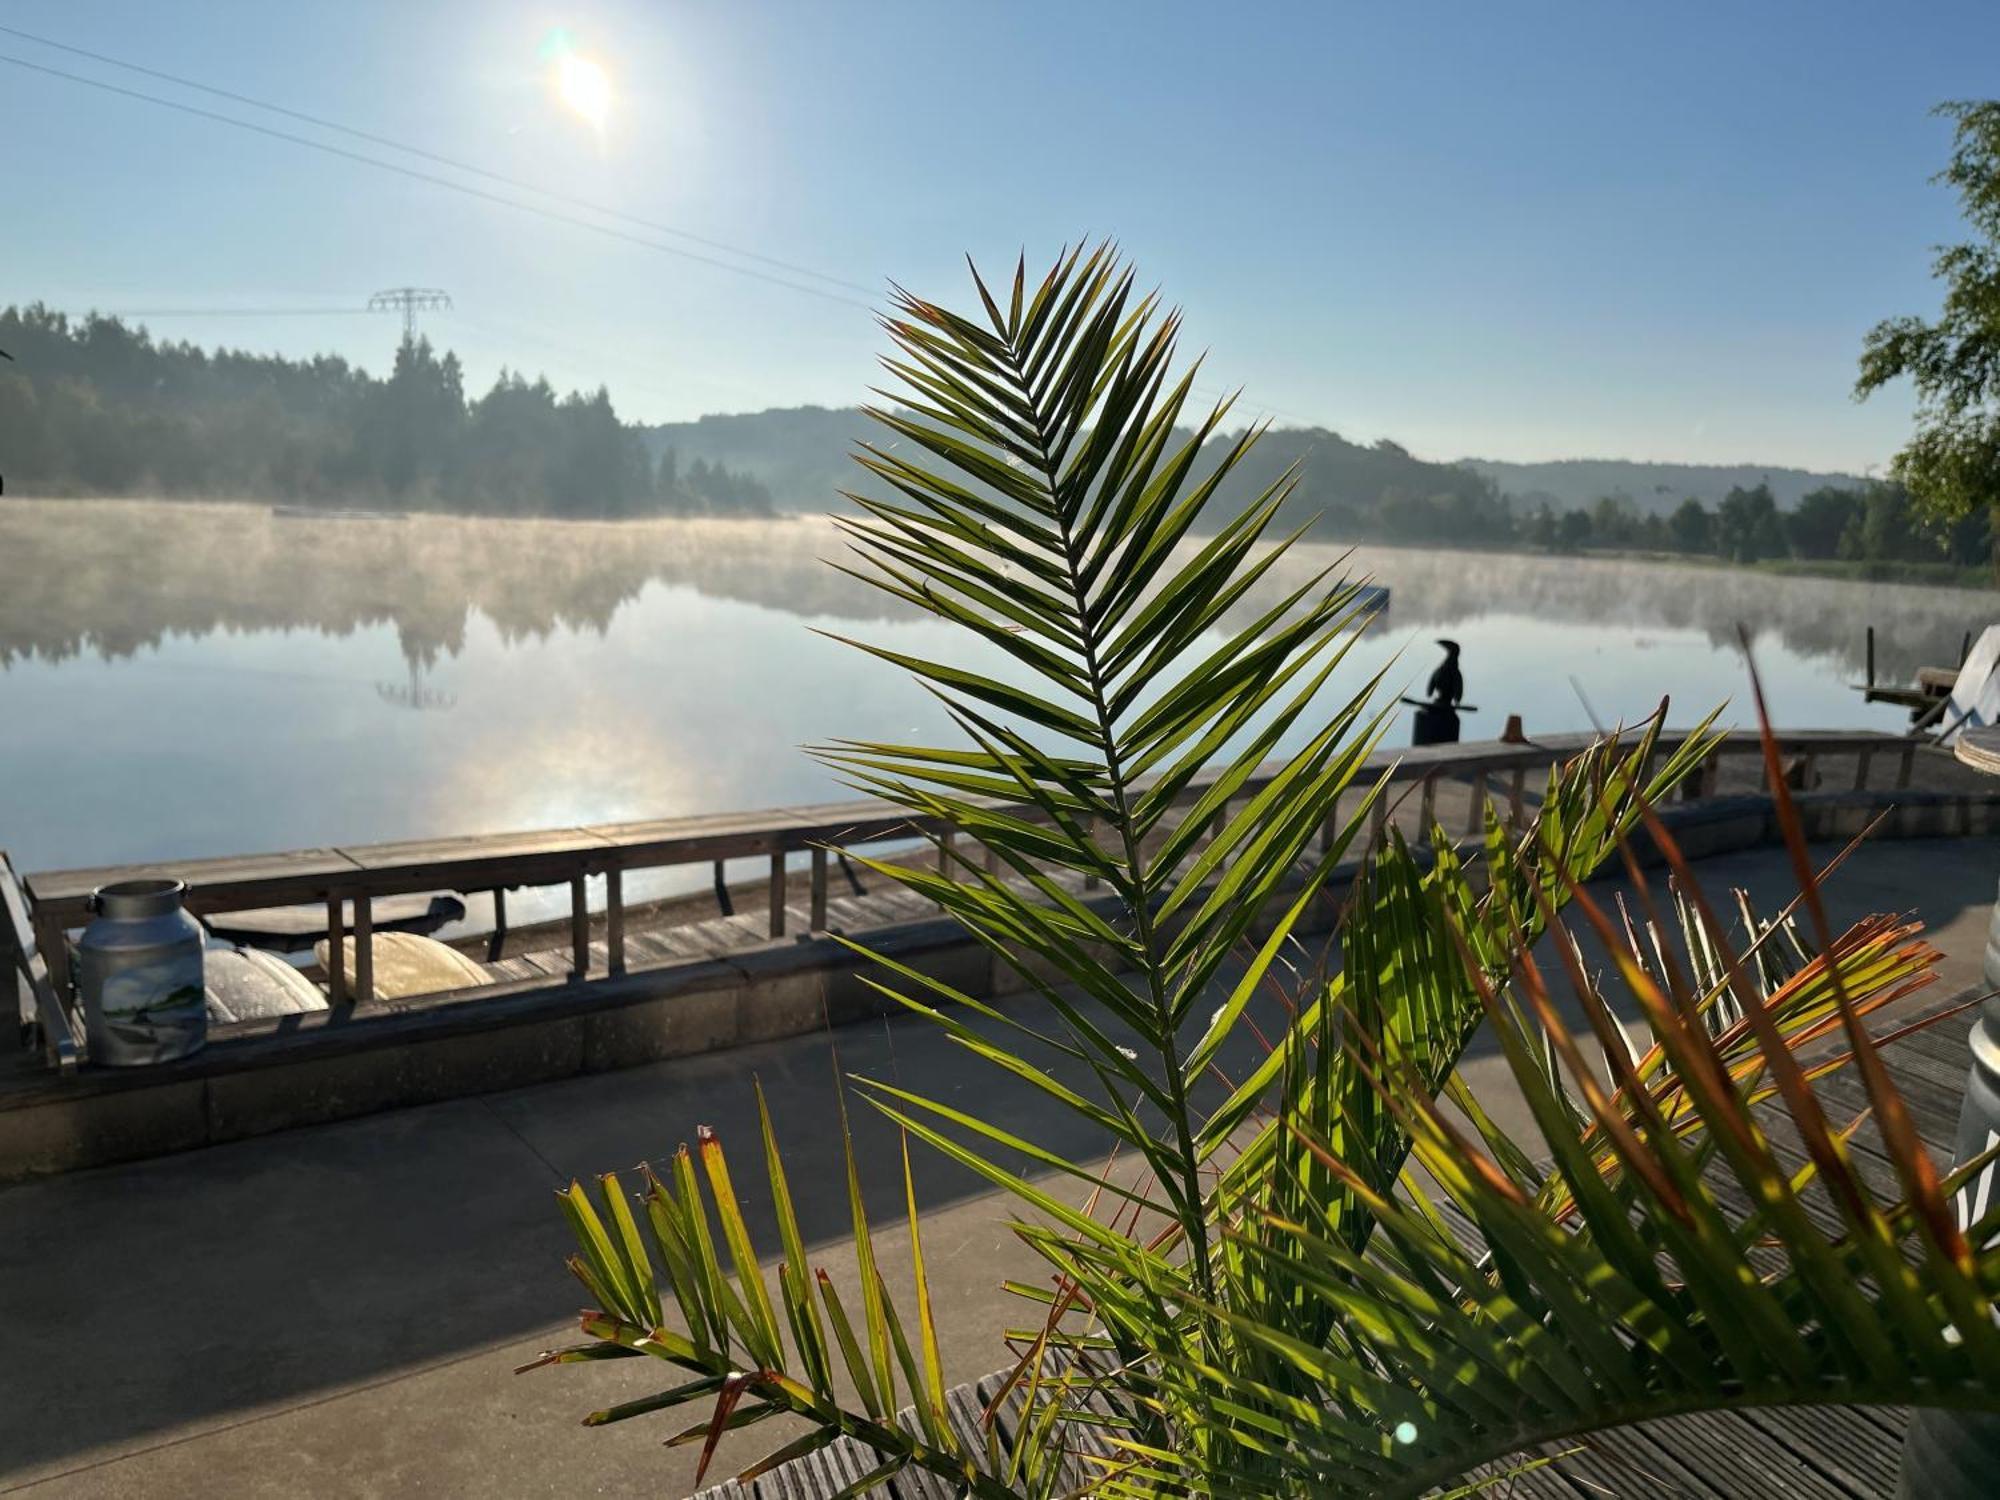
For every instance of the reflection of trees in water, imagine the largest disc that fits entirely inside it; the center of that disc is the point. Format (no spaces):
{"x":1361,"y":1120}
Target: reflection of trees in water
{"x":110,"y":577}
{"x":1819,"y":617}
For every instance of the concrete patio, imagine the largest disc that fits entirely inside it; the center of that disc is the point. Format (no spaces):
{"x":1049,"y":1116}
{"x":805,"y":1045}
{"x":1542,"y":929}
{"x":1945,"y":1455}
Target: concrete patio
{"x":337,"y":1310}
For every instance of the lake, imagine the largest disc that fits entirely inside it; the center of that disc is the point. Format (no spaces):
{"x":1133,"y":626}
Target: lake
{"x":188,"y":680}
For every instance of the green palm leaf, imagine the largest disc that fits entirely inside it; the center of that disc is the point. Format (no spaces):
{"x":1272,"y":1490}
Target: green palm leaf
{"x":1332,"y":1272}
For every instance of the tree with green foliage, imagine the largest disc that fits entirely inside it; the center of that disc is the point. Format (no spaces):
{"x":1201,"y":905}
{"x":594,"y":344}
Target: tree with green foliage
{"x":1816,"y":524}
{"x":1885,"y":528}
{"x":98,"y":407}
{"x":1614,"y":524}
{"x":1747,"y":528}
{"x":1325,"y":1271}
{"x":1951,"y":465}
{"x":1691,"y":528}
{"x":1573,"y":531}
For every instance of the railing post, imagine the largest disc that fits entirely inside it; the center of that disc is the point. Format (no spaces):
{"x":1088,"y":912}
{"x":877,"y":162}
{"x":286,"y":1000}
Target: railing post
{"x":1517,"y":799}
{"x":497,"y":945}
{"x":1861,"y":769}
{"x":579,"y":925}
{"x":1428,"y":810}
{"x":1904,"y":766}
{"x":1475,"y":820}
{"x":364,"y":946}
{"x":722,"y":897}
{"x":614,"y":918}
{"x":817,"y":918}
{"x":1378,"y":822}
{"x":336,"y":949}
{"x":1329,"y":831}
{"x":777,"y":893}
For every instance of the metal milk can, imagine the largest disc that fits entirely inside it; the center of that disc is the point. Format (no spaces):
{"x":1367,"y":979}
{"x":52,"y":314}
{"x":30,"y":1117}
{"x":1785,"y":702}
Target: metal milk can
{"x":140,"y":976}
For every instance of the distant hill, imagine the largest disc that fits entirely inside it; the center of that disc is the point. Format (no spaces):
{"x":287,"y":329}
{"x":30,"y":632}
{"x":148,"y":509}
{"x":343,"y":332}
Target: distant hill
{"x":800,"y":454}
{"x":1653,"y":489}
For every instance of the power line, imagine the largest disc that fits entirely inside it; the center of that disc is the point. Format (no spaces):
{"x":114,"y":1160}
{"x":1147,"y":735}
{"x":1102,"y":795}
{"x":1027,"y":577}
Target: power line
{"x":457,"y":187}
{"x":455,"y":163}
{"x":236,"y":312}
{"x":466,"y":189}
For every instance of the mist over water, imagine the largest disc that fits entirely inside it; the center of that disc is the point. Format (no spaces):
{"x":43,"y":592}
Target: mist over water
{"x":189,"y":680}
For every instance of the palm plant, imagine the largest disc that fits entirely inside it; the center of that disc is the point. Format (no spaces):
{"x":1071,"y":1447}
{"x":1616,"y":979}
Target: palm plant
{"x":1335,"y":1273}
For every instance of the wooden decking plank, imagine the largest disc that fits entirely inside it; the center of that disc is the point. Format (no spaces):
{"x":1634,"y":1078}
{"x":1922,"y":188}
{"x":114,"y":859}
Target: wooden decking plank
{"x":1735,"y":1453}
{"x":649,"y":947}
{"x":1631,"y":1461}
{"x":845,"y":1461}
{"x":554,"y":962}
{"x":1857,"y":1456}
{"x":1947,"y":1042}
{"x":1548,"y":1482}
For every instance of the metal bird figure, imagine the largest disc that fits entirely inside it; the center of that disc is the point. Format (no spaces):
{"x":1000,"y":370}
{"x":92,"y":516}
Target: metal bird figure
{"x":1447,"y":684}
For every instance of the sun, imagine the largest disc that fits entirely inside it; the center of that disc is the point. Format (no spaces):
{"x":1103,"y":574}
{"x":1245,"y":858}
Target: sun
{"x":585,"y":88}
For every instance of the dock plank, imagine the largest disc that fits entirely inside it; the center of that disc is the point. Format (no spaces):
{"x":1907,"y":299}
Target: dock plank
{"x":295,"y":875}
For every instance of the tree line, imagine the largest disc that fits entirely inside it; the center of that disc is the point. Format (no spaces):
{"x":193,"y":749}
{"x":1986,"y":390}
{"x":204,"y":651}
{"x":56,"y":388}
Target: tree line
{"x":1869,"y":523}
{"x":93,"y":406}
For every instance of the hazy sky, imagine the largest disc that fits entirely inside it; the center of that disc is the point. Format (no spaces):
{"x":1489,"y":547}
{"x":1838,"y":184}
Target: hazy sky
{"x":1518,"y":230}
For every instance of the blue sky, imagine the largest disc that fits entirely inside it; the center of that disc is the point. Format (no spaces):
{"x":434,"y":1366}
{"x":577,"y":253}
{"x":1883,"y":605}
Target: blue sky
{"x":1521,"y":230}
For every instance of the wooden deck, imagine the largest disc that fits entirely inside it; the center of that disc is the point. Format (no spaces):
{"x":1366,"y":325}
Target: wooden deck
{"x":796,"y":846}
{"x":1799,"y":1453}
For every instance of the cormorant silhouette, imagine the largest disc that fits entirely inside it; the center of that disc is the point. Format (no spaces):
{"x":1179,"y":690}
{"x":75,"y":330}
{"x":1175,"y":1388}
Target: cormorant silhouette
{"x":1447,"y":684}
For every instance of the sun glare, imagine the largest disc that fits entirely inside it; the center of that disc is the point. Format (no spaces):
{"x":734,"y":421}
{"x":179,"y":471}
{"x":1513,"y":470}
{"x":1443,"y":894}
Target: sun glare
{"x":585,"y":88}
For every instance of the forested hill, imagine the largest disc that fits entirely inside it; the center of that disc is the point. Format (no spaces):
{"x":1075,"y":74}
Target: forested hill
{"x":94,"y":406}
{"x":1650,"y":489}
{"x":801,"y":455}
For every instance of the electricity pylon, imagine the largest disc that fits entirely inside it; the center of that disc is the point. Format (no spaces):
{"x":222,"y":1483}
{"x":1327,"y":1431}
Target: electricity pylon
{"x":409,"y":301}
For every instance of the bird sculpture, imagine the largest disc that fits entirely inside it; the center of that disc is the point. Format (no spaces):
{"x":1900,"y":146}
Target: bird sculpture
{"x":1447,"y":684}
{"x":1437,"y":717}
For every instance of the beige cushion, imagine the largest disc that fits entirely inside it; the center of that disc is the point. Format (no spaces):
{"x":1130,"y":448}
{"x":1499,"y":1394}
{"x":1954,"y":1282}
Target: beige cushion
{"x":406,"y":964}
{"x":244,"y":984}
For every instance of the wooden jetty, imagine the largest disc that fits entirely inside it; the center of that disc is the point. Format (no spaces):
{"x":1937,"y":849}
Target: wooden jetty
{"x":600,"y":991}
{"x":1926,"y":697}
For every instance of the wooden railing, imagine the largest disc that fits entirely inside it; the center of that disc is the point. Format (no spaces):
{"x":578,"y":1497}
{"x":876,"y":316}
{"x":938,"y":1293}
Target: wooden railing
{"x":350,"y":878}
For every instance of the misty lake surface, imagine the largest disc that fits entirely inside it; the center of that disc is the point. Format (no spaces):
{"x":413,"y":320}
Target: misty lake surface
{"x":184,"y":680}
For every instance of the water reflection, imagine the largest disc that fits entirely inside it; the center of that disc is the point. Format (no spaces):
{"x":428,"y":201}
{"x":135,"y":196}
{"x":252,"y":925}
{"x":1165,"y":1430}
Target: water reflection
{"x":196,"y":680}
{"x":108,"y":578}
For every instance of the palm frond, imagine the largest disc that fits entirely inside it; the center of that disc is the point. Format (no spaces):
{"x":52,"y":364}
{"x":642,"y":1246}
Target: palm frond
{"x":1334,"y":1272}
